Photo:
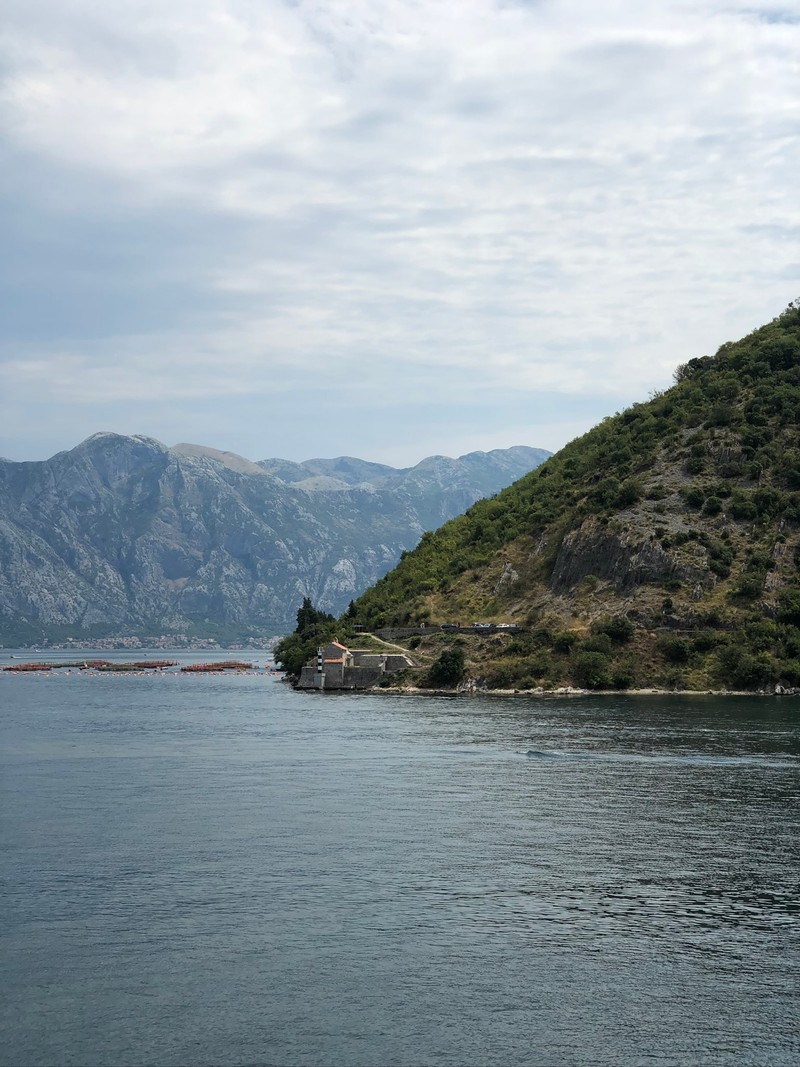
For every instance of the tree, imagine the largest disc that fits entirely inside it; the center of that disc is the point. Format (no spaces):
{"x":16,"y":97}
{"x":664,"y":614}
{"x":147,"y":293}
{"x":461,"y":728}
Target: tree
{"x":309,"y":619}
{"x":448,"y":669}
{"x":314,"y":628}
{"x":592,"y":670}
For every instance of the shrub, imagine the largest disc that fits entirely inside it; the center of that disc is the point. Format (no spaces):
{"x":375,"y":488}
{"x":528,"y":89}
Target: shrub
{"x":629,"y":493}
{"x":539,"y":666}
{"x":448,"y":669}
{"x":761,"y":634}
{"x":598,"y":643}
{"x":542,"y":637}
{"x":592,"y":670}
{"x":503,"y":676}
{"x":790,"y":640}
{"x":789,"y":606}
{"x":741,"y":669}
{"x":712,"y":506}
{"x":749,"y":587}
{"x":617,"y":627}
{"x":769,"y":502}
{"x":675,"y":649}
{"x":721,"y":414}
{"x":720,"y":557}
{"x":622,"y":679}
{"x":673,"y":679}
{"x":564,"y":641}
{"x":694,"y":497}
{"x":789,"y":672}
{"x":705,"y":640}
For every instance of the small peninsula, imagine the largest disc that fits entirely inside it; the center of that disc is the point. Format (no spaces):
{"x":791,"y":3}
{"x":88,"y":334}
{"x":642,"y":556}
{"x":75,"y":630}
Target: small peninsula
{"x":661,"y":550}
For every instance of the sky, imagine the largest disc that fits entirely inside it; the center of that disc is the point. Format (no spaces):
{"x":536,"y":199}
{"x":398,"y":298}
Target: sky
{"x":383,"y":228}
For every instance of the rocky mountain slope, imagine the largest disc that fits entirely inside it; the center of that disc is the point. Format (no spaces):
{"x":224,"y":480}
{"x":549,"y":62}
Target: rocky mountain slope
{"x":122,"y":534}
{"x":662,"y":548}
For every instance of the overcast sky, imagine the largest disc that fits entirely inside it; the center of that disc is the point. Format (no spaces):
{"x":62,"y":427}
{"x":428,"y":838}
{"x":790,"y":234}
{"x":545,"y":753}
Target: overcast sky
{"x":383,"y":228}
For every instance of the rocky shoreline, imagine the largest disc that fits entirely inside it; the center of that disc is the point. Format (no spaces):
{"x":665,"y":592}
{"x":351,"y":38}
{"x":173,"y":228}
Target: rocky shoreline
{"x":571,"y":691}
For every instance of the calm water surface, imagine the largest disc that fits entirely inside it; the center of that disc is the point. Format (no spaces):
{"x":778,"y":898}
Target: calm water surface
{"x":205,"y":870}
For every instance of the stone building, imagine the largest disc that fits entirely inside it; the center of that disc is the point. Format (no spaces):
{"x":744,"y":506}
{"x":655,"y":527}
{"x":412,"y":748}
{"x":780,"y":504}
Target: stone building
{"x":337,"y":667}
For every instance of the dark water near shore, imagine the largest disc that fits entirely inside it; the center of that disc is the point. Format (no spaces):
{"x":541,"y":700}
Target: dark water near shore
{"x":217,"y":870}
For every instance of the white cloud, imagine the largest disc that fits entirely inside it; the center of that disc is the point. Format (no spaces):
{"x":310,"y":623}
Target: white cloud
{"x":486,"y":195}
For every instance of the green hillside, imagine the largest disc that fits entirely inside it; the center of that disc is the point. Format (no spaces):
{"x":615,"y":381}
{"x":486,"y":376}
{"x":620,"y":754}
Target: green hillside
{"x":661,"y":548}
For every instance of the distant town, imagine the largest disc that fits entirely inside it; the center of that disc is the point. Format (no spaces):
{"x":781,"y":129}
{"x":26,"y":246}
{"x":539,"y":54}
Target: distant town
{"x":163,"y":641}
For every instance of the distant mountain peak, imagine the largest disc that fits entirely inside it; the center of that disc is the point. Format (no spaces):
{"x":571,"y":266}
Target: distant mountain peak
{"x":231,"y":460}
{"x":103,"y":437}
{"x":127,"y":533}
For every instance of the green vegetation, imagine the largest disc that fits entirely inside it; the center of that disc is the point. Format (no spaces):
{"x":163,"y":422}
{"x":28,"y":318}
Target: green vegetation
{"x":314,"y":628}
{"x":694,"y":493}
{"x":448,"y":669}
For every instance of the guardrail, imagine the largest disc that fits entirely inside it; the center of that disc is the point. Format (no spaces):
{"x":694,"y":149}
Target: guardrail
{"x":393,"y":633}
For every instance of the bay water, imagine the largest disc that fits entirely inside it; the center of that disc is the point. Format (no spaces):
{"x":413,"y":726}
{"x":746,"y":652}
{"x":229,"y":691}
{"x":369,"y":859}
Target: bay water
{"x":203,"y":869}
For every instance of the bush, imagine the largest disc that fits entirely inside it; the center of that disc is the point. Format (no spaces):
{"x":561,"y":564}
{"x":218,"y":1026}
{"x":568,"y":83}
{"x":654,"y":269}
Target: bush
{"x":539,"y":666}
{"x":503,"y":676}
{"x":749,"y":587}
{"x":564,"y":641}
{"x":694,"y":497}
{"x":675,"y":649}
{"x":617,"y":627}
{"x":592,"y":670}
{"x":448,"y":669}
{"x":629,"y":493}
{"x":789,"y":672}
{"x":789,"y":606}
{"x":598,"y":643}
{"x":542,"y":637}
{"x":790,"y":641}
{"x":712,"y":506}
{"x":705,"y":640}
{"x":720,"y":557}
{"x":741,"y":669}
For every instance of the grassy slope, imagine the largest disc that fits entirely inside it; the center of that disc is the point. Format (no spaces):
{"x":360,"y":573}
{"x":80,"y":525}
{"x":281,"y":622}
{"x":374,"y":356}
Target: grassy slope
{"x":681,"y":514}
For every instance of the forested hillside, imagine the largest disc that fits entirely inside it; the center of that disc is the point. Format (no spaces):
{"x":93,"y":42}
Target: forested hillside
{"x":661,"y":548}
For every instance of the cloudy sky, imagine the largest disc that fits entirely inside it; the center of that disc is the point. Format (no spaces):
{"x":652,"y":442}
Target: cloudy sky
{"x":383,"y":228}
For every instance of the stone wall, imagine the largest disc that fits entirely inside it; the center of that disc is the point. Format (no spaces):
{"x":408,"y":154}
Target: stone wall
{"x":361,"y":677}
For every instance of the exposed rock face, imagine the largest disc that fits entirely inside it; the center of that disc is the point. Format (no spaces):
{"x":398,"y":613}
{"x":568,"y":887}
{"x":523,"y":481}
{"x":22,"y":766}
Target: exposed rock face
{"x":122,"y":532}
{"x":507,"y":578}
{"x":626,"y":560}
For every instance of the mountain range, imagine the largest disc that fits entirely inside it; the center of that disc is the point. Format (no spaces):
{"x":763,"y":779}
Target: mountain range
{"x":122,"y":534}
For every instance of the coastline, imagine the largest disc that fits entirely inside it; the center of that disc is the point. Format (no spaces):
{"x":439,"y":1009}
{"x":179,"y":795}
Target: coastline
{"x":569,"y":691}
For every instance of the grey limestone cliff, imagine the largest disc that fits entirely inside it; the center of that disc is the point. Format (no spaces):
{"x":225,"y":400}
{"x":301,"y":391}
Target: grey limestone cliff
{"x":123,"y":533}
